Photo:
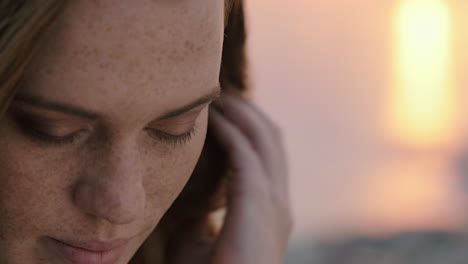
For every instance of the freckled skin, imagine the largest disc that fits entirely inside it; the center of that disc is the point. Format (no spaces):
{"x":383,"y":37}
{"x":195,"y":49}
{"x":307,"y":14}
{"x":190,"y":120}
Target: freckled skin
{"x":129,"y":61}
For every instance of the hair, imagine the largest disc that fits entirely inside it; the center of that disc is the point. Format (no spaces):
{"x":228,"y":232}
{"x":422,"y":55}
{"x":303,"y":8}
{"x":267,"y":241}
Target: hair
{"x":23,"y":27}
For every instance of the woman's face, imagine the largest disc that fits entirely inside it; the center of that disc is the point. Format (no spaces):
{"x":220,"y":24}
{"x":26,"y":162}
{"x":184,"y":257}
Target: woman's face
{"x":107,"y":128}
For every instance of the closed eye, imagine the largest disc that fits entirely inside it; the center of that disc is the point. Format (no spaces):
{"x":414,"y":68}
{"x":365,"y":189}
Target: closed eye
{"x":42,"y":134}
{"x":179,"y":129}
{"x":47,"y":130}
{"x":172,"y":139}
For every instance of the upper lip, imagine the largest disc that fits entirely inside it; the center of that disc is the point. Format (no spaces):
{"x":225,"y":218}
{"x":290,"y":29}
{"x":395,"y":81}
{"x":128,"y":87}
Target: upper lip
{"x":95,"y":245}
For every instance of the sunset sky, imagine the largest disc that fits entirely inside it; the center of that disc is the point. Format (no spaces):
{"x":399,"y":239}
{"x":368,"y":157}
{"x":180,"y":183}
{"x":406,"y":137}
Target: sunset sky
{"x":370,"y":97}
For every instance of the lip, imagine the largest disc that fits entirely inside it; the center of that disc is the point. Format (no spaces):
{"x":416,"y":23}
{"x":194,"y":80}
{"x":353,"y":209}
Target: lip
{"x":89,"y":252}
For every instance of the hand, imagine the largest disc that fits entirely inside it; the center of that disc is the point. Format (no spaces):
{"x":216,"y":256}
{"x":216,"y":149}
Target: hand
{"x":258,"y":219}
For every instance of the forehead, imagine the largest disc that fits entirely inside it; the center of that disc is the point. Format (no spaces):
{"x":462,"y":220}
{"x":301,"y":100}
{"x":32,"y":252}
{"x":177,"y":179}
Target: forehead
{"x":119,"y":52}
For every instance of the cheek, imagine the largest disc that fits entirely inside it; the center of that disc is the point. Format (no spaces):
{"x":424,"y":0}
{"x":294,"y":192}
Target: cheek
{"x":33,"y":197}
{"x":32,"y":192}
{"x":168,"y":174}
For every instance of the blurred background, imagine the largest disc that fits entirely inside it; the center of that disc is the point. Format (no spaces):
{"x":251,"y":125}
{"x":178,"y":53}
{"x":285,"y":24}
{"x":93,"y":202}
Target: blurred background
{"x":371,"y":97}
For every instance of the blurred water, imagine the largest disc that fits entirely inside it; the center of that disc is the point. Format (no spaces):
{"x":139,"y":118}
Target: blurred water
{"x":405,"y":248}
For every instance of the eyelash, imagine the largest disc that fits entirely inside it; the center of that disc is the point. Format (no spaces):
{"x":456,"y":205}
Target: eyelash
{"x":54,"y":140}
{"x":70,"y":139}
{"x":173,"y":139}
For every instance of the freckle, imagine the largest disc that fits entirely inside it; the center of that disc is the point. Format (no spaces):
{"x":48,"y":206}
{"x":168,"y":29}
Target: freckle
{"x":103,"y":65}
{"x":189,"y":45}
{"x":49,"y":71}
{"x":116,"y":56}
{"x":90,"y":26}
{"x":83,"y":67}
{"x":149,"y":34}
{"x":95,"y":52}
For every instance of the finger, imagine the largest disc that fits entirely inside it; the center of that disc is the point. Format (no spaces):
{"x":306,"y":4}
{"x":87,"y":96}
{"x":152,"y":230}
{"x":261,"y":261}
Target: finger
{"x":273,"y":159}
{"x":262,"y":134}
{"x":249,"y":174}
{"x":264,"y":118}
{"x":252,"y":206}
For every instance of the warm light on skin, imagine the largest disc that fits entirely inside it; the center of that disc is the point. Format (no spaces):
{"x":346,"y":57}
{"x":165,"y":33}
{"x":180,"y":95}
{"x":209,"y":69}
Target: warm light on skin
{"x":422,"y":102}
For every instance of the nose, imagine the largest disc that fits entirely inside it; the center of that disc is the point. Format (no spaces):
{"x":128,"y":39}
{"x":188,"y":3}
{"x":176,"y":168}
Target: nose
{"x":113,"y":189}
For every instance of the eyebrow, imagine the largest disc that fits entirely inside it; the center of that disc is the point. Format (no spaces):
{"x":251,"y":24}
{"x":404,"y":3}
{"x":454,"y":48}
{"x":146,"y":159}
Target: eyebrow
{"x":79,"y":111}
